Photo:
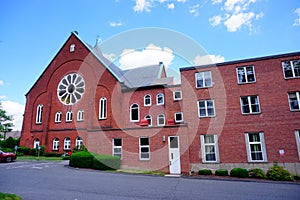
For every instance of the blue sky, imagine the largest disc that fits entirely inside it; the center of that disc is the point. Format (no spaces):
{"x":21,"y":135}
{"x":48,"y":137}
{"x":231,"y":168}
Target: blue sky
{"x":33,"y":31}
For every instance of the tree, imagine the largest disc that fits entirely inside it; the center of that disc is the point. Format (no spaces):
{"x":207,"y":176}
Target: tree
{"x":5,"y":122}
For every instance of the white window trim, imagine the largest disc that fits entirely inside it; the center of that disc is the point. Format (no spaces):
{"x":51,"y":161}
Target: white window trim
{"x":55,"y":144}
{"x":178,"y":121}
{"x":293,"y":69}
{"x":203,"y":78}
{"x":174,"y":96}
{"x":298,"y":99}
{"x":245,"y":71}
{"x":158,"y":124}
{"x":67,"y":144}
{"x":103,"y":108}
{"x":202,"y":141}
{"x":206,"y":113}
{"x":78,"y":142}
{"x":145,"y":100}
{"x":150,"y":124}
{"x":69,"y":116}
{"x":163,"y":99}
{"x":263,"y":148}
{"x":80,"y":115}
{"x":36,"y":143}
{"x":250,"y":107}
{"x":117,"y":147}
{"x":39,"y":114}
{"x":297,"y":132}
{"x":138,"y":108}
{"x":141,"y":146}
{"x":58,"y":117}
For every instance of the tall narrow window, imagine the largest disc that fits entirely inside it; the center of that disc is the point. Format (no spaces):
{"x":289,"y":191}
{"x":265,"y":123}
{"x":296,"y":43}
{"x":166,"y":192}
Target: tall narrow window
{"x":144,"y":148}
{"x":58,"y":116}
{"x":149,"y":118}
{"x":209,"y":148}
{"x":291,"y":69}
{"x":78,"y":142}
{"x":55,"y":145}
{"x":297,"y":135}
{"x":160,"y":99}
{"x":72,"y":47}
{"x":134,"y":113}
{"x":69,"y":116}
{"x":117,"y":147}
{"x":36,"y":143}
{"x":256,"y":148}
{"x":147,"y":100}
{"x":245,"y":74}
{"x":250,"y":105}
{"x":203,"y":79}
{"x":80,"y":115}
{"x":67,"y":144}
{"x":161,"y":120}
{"x":206,"y":108}
{"x":103,"y":108}
{"x":39,"y":114}
{"x":294,"y":101}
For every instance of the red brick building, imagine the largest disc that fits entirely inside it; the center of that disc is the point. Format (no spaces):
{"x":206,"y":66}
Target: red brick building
{"x":242,"y":113}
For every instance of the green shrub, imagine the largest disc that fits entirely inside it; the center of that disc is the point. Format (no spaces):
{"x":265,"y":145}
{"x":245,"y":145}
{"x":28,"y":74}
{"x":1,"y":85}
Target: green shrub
{"x":7,"y":150}
{"x":6,"y":196}
{"x":106,"y":162}
{"x":52,"y":154}
{"x":278,"y":173}
{"x":24,"y":150}
{"x":81,"y":159}
{"x":221,"y":172}
{"x":81,"y":148}
{"x":239,"y":172}
{"x":34,"y":151}
{"x":257,"y":173}
{"x":296,"y":177}
{"x":9,"y":143}
{"x":205,"y":172}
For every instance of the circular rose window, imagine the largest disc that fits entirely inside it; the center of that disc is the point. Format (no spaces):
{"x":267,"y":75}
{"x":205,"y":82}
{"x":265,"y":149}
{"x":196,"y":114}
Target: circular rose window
{"x":70,"y":89}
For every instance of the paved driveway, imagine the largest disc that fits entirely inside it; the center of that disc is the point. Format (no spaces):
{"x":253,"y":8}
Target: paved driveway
{"x":53,"y":180}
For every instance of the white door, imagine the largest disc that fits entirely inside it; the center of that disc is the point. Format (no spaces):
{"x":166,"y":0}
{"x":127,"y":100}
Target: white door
{"x":174,"y":155}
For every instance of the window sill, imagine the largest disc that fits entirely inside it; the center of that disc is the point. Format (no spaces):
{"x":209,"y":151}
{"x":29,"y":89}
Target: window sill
{"x":288,"y":78}
{"x":207,"y":116}
{"x":245,"y":114}
{"x":247,"y":83}
{"x":294,"y":110}
{"x":207,"y":87}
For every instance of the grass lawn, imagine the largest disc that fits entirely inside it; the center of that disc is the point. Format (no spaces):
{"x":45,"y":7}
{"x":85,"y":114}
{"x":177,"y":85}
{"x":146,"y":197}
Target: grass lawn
{"x":39,"y":158}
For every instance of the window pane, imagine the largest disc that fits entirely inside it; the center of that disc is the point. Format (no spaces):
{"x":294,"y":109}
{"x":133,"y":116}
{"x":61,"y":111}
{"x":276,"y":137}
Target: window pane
{"x":287,"y":68}
{"x":173,"y":142}
{"x":294,"y":103}
{"x":199,"y":79}
{"x":250,"y":74}
{"x":117,"y":142}
{"x":207,"y":77}
{"x":254,"y":137}
{"x":241,"y":75}
{"x":296,"y":65}
{"x":257,"y":156}
{"x":178,"y":117}
{"x":208,"y":139}
{"x":144,"y":141}
{"x":210,"y":157}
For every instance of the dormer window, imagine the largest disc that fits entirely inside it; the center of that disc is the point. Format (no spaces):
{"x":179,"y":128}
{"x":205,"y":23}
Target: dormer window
{"x":72,"y":47}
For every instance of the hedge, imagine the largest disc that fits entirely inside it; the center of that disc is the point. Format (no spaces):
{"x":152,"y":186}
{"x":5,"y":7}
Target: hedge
{"x":221,"y":172}
{"x":239,"y":172}
{"x":81,"y":159}
{"x":205,"y":172}
{"x":278,"y":173}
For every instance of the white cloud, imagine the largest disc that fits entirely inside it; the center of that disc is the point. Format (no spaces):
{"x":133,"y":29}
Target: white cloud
{"x":115,"y":24}
{"x":142,"y":5}
{"x":297,"y":20}
{"x":194,"y":10}
{"x":3,"y":97}
{"x":1,"y":82}
{"x":171,"y":6}
{"x":215,"y":20}
{"x":216,"y":1}
{"x":235,"y":21}
{"x":181,"y":1}
{"x":16,"y":110}
{"x":208,"y":59}
{"x":150,"y":55}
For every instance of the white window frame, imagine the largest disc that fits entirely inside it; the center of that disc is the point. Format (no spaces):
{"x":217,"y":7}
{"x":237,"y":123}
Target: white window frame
{"x":161,"y":116}
{"x":67,"y":143}
{"x":250,"y":105}
{"x":244,"y":68}
{"x":214,"y":144}
{"x":292,"y":68}
{"x":103,"y":108}
{"x":175,"y":117}
{"x":39,"y":114}
{"x":80,"y":115}
{"x":297,"y":135}
{"x":297,"y":100}
{"x":117,"y":150}
{"x":78,"y":142}
{"x":138,"y":112}
{"x":36,"y":143}
{"x":55,"y":144}
{"x":69,"y":116}
{"x":262,"y":146}
{"x":147,"y":97}
{"x":160,"y":95}
{"x":144,"y":146}
{"x":149,"y":117}
{"x":72,"y":47}
{"x":177,"y":98}
{"x":58,"y":117}
{"x":205,"y":75}
{"x":206,"y":107}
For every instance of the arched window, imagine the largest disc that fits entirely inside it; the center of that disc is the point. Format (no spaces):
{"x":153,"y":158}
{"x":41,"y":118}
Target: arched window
{"x":78,"y":142}
{"x":36,"y":143}
{"x":69,"y":116}
{"x":67,"y":144}
{"x":58,"y":116}
{"x":161,"y":120}
{"x":147,"y":100}
{"x":39,"y":114}
{"x":149,"y":118}
{"x":80,"y":115}
{"x":102,"y":108}
{"x":134,"y":113}
{"x":160,"y":99}
{"x":55,"y":145}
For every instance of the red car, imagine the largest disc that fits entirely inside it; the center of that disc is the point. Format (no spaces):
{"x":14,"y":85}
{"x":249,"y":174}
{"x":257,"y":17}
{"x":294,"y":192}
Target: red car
{"x":7,"y":157}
